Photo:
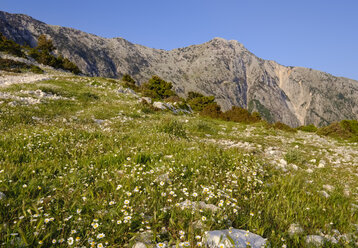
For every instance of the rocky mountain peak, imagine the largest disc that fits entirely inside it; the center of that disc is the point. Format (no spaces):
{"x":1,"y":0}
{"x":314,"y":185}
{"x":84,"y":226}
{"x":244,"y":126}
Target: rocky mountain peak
{"x":223,"y":68}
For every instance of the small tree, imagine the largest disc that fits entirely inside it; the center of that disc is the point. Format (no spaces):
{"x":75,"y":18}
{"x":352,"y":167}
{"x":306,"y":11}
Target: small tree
{"x":212,"y":110}
{"x":10,"y":46}
{"x":45,"y":44}
{"x":198,"y":101}
{"x":157,"y":88}
{"x":68,"y":65}
{"x":129,"y":82}
{"x":238,"y":114}
{"x":192,"y":94}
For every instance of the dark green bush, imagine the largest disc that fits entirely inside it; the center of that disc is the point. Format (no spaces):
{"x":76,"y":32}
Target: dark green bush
{"x":158,"y":89}
{"x":10,"y":47}
{"x":283,"y":127}
{"x":13,"y":66}
{"x":129,"y":82}
{"x":36,"y":69}
{"x":346,"y":129}
{"x":44,"y":44}
{"x":308,"y":128}
{"x":43,"y":54}
{"x":173,"y":99}
{"x":212,"y":110}
{"x":69,"y":66}
{"x":242,"y":115}
{"x":192,"y":95}
{"x":200,"y":102}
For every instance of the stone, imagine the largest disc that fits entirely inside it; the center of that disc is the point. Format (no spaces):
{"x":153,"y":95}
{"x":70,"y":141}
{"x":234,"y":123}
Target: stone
{"x":295,"y":229}
{"x":283,"y":162}
{"x":139,"y":245}
{"x":198,"y":225}
{"x":321,"y":164}
{"x":98,"y":121}
{"x":241,"y":238}
{"x":198,"y":205}
{"x":324,"y":193}
{"x":145,"y":100}
{"x":203,"y":205}
{"x":315,"y":240}
{"x":328,"y":187}
{"x":126,"y":91}
{"x":2,"y":196}
{"x":159,"y":105}
{"x":144,"y":238}
{"x":309,"y":171}
{"x":163,"y":178}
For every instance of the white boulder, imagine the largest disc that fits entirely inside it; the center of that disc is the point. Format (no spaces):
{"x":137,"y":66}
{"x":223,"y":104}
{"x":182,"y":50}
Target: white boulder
{"x":233,"y":238}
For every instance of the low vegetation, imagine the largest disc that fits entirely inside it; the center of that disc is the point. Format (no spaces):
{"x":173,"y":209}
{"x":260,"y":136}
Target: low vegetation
{"x":346,"y":129}
{"x":308,"y":128}
{"x":73,"y":175}
{"x":10,"y":47}
{"x":16,"y":66}
{"x":129,"y":82}
{"x":198,"y":101}
{"x":42,"y":53}
{"x":157,"y":88}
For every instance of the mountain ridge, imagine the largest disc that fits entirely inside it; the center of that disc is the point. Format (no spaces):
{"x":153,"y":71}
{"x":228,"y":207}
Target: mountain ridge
{"x":223,"y":68}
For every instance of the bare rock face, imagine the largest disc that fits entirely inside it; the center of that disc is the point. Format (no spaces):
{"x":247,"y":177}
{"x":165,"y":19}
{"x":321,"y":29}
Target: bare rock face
{"x":226,"y":69}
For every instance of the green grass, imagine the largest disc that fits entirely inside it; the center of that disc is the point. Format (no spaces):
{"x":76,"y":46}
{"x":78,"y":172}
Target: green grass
{"x":65,"y":173}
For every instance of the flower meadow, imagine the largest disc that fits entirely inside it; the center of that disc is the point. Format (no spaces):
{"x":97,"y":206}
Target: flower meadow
{"x":96,"y":169}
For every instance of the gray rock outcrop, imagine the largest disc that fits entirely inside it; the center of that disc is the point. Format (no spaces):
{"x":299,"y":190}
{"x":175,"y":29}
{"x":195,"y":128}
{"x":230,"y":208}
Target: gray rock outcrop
{"x":226,"y":69}
{"x":233,"y":238}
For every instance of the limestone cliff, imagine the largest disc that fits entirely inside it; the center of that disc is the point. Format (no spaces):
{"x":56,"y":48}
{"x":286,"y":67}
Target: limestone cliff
{"x":226,"y":69}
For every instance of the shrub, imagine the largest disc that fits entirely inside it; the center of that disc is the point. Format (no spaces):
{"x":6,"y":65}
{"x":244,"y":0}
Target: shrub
{"x":36,"y":69}
{"x":129,"y":82}
{"x":346,"y":129}
{"x":173,"y":99}
{"x":198,"y":101}
{"x":69,"y":66}
{"x":42,"y":54}
{"x":157,"y":88}
{"x":192,"y":95}
{"x":238,"y":114}
{"x":10,"y":47}
{"x":12,"y":65}
{"x":44,"y":44}
{"x":283,"y":127}
{"x":309,"y":128}
{"x":212,"y":110}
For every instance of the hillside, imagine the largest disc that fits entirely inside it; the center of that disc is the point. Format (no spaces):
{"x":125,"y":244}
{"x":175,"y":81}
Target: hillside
{"x":72,"y":174}
{"x":226,"y":69}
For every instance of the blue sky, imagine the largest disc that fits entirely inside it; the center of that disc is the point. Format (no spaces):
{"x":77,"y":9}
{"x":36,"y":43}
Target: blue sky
{"x":319,"y":34}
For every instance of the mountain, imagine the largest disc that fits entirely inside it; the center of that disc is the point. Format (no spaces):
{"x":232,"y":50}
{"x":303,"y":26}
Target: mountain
{"x":226,"y":69}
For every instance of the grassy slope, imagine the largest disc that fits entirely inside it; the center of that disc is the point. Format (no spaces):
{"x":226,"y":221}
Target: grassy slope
{"x":64,"y":171}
